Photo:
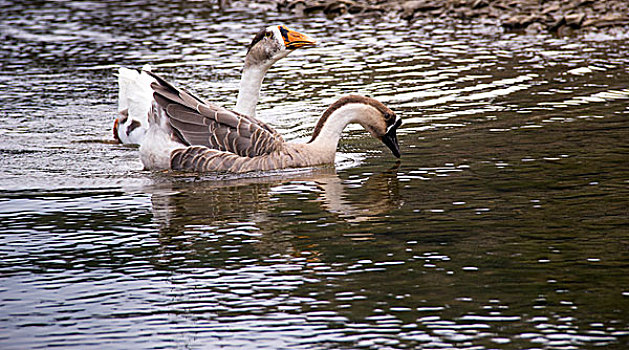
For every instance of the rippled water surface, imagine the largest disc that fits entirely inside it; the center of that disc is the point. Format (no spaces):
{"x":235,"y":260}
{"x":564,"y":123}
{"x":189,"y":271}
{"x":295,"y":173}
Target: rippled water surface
{"x":504,"y":224}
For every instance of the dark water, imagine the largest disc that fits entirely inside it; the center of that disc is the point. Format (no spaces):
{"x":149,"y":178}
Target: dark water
{"x":504,"y":225}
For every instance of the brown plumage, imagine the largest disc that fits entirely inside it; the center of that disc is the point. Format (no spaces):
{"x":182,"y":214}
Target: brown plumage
{"x":212,"y":138}
{"x":388,"y":114}
{"x":196,"y":122}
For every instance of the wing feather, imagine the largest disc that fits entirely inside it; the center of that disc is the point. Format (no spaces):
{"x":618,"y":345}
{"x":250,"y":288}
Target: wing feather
{"x":200,"y":123}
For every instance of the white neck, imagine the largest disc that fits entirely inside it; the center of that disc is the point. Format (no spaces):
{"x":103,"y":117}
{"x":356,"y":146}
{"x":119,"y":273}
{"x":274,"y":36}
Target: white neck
{"x":249,"y":92}
{"x":330,"y":134}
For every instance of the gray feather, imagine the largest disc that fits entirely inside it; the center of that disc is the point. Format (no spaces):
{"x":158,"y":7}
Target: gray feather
{"x":197,"y":122}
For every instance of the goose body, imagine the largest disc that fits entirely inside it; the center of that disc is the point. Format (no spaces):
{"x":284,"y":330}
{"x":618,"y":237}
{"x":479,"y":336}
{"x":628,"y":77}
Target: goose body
{"x":135,"y":95}
{"x":190,"y":135}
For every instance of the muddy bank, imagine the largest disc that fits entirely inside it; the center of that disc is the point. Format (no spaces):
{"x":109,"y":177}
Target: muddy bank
{"x":564,"y":17}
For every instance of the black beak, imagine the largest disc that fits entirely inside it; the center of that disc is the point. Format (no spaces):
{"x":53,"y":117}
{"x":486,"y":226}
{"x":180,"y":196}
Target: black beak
{"x":390,"y":138}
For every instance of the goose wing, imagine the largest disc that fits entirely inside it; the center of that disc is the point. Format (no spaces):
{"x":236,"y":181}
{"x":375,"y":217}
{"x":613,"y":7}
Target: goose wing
{"x":196,"y":122}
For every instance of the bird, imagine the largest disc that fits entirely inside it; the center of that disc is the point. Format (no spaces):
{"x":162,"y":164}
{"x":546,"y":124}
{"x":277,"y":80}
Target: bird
{"x":188,"y":134}
{"x":135,"y":94}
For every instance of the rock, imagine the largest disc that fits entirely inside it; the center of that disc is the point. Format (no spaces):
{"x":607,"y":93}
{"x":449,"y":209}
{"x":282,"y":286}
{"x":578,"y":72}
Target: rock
{"x":563,"y":16}
{"x":437,"y":12}
{"x":354,"y":9}
{"x":609,"y":20}
{"x":519,"y":21}
{"x":613,"y":17}
{"x":302,"y":6}
{"x":493,"y":12}
{"x":574,"y":20}
{"x":314,"y":8}
{"x":500,"y":6}
{"x":514,"y":3}
{"x":337,"y":8}
{"x":410,"y":7}
{"x":551,"y":8}
{"x":534,"y":28}
{"x":585,"y":3}
{"x":559,"y":21}
{"x":464,"y":13}
{"x":296,"y":6}
{"x":565,"y":30}
{"x":479,"y":4}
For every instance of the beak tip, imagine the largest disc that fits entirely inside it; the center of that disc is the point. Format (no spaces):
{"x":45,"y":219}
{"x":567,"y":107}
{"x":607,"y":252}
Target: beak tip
{"x":390,"y":138}
{"x":295,"y":40}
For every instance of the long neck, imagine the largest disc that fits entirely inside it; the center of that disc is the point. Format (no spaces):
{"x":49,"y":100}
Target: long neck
{"x":249,"y":92}
{"x":329,"y":132}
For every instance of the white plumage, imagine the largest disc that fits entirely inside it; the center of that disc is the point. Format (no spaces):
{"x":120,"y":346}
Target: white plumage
{"x":135,"y":96}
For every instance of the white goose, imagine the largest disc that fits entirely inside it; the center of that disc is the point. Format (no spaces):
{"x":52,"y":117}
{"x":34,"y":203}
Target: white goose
{"x":135,"y":95}
{"x":188,"y":134}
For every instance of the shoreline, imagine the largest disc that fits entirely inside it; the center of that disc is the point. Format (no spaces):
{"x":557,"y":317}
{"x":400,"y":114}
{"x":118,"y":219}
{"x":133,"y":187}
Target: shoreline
{"x":560,"y":17}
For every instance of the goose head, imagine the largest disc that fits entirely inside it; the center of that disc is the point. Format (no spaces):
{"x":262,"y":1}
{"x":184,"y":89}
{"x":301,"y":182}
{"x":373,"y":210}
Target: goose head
{"x":274,"y":43}
{"x":380,"y":121}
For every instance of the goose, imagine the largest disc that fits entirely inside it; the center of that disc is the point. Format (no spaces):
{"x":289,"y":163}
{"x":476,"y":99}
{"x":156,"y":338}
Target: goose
{"x":135,"y":94}
{"x":188,"y":134}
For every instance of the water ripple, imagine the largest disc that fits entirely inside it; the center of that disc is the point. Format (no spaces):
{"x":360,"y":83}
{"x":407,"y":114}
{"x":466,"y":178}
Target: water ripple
{"x":502,"y":226}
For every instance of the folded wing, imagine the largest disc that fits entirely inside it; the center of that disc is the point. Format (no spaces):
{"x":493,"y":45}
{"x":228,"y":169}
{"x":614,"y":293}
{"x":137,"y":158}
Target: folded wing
{"x":199,"y":123}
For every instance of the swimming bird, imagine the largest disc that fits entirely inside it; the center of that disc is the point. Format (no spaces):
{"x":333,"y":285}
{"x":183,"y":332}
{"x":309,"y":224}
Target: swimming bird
{"x":135,"y":95}
{"x":190,"y":135}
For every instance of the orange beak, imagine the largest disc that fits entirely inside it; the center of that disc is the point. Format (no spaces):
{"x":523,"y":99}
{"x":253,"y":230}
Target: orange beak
{"x":116,"y":122}
{"x":294,"y":40}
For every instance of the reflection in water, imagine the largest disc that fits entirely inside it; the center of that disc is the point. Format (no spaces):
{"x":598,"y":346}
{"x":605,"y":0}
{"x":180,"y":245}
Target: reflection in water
{"x":503,"y":226}
{"x":214,"y":201}
{"x":381,"y":196}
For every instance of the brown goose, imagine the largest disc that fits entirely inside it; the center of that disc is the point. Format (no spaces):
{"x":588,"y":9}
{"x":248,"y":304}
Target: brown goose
{"x":188,"y":134}
{"x":135,"y":95}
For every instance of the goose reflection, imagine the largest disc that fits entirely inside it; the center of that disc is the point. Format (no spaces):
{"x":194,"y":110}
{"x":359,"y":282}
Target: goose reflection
{"x":379,"y":195}
{"x":180,"y":202}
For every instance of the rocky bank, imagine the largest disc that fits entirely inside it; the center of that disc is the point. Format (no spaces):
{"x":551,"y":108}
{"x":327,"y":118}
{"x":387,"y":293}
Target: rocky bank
{"x":563,"y":17}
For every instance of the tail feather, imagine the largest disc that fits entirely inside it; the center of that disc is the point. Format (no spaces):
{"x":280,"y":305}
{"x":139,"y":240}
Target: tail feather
{"x":135,"y":97}
{"x":135,"y":93}
{"x":125,"y":78}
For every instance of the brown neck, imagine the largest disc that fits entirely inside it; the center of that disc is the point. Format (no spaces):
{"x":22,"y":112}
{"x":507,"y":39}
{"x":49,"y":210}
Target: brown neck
{"x":342,"y":102}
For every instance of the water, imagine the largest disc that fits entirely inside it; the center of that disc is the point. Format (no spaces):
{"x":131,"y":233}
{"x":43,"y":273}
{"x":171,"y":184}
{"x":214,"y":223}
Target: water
{"x":504,"y":224}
